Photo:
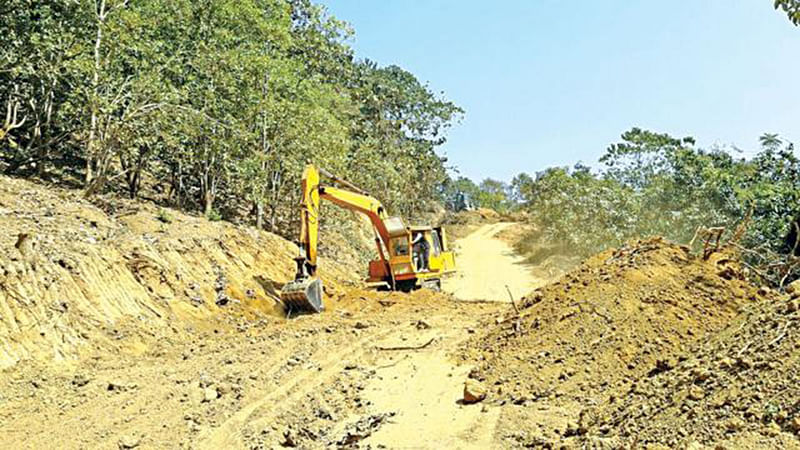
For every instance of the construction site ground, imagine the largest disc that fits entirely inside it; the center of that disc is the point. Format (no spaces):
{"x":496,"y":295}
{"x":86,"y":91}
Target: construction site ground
{"x":126,"y":326}
{"x":84,"y":371}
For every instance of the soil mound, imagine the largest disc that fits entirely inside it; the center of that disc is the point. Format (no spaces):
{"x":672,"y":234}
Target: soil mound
{"x":622,"y":315}
{"x":740,"y":387}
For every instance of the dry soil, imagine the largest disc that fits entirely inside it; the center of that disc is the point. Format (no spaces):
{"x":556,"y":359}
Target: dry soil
{"x":126,"y":326}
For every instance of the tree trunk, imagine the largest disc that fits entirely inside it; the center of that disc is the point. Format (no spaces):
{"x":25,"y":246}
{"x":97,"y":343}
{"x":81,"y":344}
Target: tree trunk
{"x":259,"y":206}
{"x":175,"y":195}
{"x":89,"y":174}
{"x":133,"y":184}
{"x":207,"y":191}
{"x":273,"y":219}
{"x":44,"y":148}
{"x":90,"y":150}
{"x":208,"y":202}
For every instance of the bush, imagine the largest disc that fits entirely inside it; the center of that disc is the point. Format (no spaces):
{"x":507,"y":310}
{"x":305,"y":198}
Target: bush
{"x":655,"y":184}
{"x":214,"y":215}
{"x":164,"y":216}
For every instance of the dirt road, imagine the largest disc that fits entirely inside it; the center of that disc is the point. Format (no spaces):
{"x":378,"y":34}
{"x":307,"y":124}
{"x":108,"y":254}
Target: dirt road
{"x":377,"y":369}
{"x":337,"y":379}
{"x":406,"y":376}
{"x":486,"y":265}
{"x":413,"y":392}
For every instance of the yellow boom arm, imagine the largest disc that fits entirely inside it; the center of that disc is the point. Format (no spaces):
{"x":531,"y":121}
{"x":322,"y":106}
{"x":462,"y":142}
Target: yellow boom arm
{"x":305,"y":292}
{"x":313,"y":191}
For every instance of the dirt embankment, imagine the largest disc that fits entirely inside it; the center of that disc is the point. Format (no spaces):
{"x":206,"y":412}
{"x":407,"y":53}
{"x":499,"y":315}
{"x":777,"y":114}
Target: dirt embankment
{"x":77,"y":277}
{"x":620,"y":318}
{"x":739,"y":388}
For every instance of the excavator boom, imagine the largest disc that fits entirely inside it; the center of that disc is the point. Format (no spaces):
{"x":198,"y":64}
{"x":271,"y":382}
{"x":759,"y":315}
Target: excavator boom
{"x":397,"y":270}
{"x":305,"y":292}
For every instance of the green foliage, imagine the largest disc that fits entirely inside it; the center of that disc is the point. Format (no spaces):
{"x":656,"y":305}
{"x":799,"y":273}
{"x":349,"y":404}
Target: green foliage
{"x":577,"y":212}
{"x":658,"y":185}
{"x":493,"y":194}
{"x":462,"y":193}
{"x":213,"y":215}
{"x":791,"y":8}
{"x":216,"y":104}
{"x":164,"y":216}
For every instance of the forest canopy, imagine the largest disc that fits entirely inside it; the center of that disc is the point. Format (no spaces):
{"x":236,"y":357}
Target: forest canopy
{"x":215,"y":105}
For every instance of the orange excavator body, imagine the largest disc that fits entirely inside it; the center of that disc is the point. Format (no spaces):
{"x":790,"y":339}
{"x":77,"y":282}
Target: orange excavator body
{"x":396,"y":266}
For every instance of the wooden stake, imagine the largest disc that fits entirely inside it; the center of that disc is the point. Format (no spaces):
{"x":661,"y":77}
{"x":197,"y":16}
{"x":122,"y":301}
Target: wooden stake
{"x":513,"y":303}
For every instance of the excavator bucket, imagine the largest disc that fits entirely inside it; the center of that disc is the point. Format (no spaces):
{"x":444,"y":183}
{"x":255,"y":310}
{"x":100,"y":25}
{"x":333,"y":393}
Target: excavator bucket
{"x":304,"y":295}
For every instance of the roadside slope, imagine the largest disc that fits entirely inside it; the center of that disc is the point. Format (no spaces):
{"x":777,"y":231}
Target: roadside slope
{"x":77,"y":277}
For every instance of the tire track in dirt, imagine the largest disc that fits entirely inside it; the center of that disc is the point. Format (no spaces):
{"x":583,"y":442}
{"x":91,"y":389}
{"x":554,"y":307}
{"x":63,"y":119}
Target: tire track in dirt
{"x":424,"y":389}
{"x":330,"y":363}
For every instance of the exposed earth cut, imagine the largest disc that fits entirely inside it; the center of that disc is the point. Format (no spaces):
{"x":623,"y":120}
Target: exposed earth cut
{"x":123,"y":325}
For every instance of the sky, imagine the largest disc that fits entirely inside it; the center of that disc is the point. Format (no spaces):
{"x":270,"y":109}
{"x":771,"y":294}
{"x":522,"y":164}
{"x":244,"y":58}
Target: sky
{"x":551,"y":82}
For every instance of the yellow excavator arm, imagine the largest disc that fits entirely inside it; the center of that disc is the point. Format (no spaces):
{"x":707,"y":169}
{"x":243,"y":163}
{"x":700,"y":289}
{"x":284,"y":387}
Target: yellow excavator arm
{"x":309,"y":216}
{"x":305,"y":292}
{"x":396,"y":267}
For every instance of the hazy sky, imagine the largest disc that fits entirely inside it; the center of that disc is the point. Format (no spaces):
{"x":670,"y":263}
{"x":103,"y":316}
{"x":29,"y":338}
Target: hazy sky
{"x":553,"y":82}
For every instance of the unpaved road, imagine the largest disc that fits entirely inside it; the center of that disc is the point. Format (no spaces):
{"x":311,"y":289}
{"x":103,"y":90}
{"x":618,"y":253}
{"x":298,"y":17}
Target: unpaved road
{"x":486,"y":265}
{"x":376,"y":370}
{"x":421,"y":388}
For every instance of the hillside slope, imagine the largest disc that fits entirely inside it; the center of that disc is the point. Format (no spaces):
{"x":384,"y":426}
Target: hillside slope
{"x":77,"y":276}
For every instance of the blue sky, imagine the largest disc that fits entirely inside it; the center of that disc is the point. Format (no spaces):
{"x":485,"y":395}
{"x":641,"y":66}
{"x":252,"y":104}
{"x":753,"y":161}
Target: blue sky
{"x":553,"y":82}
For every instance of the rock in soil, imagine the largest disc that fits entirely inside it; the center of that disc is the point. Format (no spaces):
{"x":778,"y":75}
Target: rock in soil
{"x":474,"y":392}
{"x":127,"y":442}
{"x":210,"y":394}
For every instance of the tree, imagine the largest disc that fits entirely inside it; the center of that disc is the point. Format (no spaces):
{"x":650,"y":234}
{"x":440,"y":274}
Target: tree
{"x":641,"y":155}
{"x":791,"y":8}
{"x":770,"y":141}
{"x":398,"y":125}
{"x":40,"y":48}
{"x":493,"y":194}
{"x":211,"y":105}
{"x":520,"y":189}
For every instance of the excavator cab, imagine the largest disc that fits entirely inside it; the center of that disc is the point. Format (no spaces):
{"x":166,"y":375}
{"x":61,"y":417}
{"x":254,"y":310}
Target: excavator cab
{"x":406,"y":260}
{"x":397,"y":266}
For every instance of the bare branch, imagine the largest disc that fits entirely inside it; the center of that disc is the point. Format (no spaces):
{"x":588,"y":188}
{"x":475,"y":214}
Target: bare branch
{"x":12,"y":113}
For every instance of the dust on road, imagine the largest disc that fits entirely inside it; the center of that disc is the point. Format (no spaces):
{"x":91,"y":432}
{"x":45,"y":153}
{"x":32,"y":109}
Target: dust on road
{"x":487,"y":264}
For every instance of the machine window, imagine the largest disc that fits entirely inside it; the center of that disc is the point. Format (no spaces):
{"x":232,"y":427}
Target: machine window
{"x":437,"y":243}
{"x":400,"y":245}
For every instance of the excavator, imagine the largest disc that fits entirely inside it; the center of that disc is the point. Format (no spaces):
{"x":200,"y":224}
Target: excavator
{"x":399,"y":266}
